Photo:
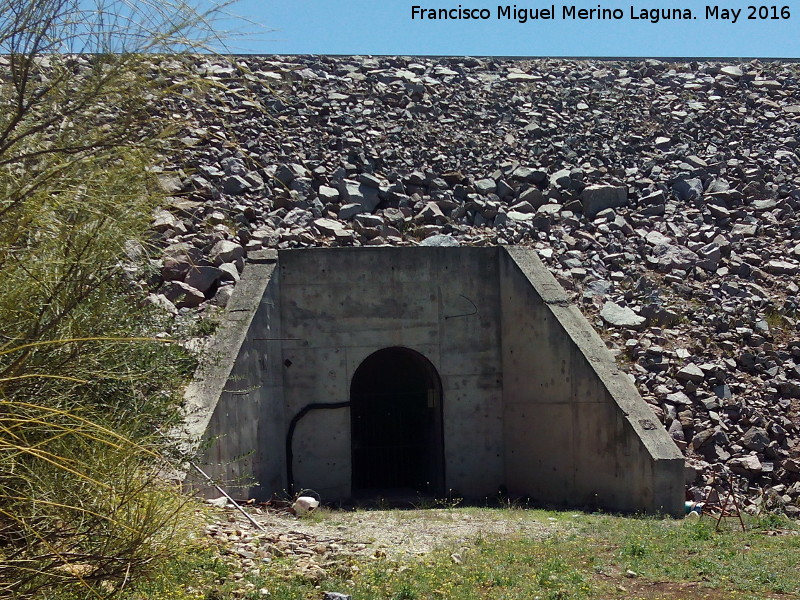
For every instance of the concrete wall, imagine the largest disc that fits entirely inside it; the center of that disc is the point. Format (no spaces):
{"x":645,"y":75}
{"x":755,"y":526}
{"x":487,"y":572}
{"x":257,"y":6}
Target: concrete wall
{"x":531,"y":398}
{"x":344,"y":304}
{"x":235,"y":404}
{"x":577,"y":432}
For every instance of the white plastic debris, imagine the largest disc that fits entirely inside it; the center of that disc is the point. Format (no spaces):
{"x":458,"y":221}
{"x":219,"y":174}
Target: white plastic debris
{"x":304,"y":505}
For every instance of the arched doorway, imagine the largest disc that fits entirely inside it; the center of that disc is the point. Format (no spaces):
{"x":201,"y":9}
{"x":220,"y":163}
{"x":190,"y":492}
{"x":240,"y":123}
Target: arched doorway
{"x":396,"y":424}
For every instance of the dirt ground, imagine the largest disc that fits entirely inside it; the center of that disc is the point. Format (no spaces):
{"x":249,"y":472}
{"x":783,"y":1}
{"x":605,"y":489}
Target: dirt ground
{"x":318,"y":543}
{"x":388,"y":532}
{"x":410,"y":531}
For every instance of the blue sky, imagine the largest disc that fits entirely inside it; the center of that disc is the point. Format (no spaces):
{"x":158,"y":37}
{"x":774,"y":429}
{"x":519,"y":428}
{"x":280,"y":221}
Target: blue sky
{"x":386,"y":27}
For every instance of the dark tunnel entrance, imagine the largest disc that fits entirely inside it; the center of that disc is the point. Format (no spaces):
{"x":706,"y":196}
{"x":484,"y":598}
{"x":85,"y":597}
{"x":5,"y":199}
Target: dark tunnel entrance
{"x":396,"y":424}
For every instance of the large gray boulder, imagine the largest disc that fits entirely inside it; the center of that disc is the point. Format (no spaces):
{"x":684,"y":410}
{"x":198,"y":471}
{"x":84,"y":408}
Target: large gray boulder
{"x":621,"y":316}
{"x":596,"y":198}
{"x":353,"y":192}
{"x":225,"y":251}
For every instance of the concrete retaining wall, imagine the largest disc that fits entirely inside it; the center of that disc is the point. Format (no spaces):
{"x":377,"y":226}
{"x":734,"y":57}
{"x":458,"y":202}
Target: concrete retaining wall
{"x":235,"y":404}
{"x":531,"y":398}
{"x":577,"y":432}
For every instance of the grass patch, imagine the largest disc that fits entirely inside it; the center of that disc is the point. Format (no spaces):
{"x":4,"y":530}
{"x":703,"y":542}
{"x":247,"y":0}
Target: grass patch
{"x":582,"y":557}
{"x":197,"y":573}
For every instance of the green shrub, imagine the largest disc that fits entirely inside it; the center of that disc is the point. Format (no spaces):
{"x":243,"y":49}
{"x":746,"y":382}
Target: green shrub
{"x":84,"y":383}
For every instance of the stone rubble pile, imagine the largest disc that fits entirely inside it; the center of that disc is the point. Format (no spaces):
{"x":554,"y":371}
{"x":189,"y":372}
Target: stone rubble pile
{"x":663,"y":195}
{"x":284,"y":544}
{"x":308,"y":556}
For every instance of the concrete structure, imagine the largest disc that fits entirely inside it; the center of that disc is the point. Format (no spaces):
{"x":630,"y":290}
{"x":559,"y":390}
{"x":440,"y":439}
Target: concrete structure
{"x":361,"y":371}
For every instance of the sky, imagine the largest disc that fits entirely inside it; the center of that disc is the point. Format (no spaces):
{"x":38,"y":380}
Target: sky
{"x":387,"y":27}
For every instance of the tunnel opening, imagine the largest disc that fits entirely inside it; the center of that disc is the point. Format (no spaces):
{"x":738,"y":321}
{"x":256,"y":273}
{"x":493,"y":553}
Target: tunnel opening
{"x":396,"y":425}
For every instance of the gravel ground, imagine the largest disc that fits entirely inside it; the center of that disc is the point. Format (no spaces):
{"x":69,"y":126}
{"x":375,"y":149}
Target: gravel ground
{"x":314,"y":546}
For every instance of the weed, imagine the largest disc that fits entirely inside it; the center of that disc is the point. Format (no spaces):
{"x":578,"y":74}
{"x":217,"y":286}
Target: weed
{"x":406,"y":592}
{"x":771,"y":521}
{"x":780,"y":324}
{"x":424,"y":503}
{"x":775,"y":320}
{"x":699,"y":530}
{"x":634,"y":549}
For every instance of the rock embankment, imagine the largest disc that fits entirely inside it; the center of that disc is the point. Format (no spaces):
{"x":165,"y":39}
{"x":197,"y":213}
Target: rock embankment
{"x":663,"y":195}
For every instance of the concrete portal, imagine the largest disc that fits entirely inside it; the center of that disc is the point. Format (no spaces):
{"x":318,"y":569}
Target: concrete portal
{"x":357,"y":371}
{"x":396,"y":424}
